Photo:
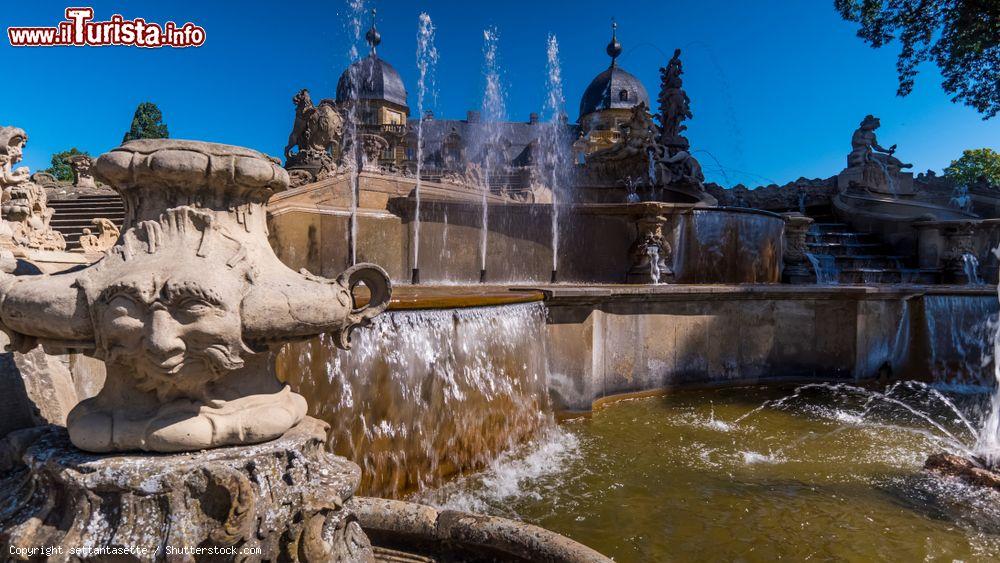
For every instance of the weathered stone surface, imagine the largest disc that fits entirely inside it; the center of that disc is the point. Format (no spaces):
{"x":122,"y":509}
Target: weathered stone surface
{"x":449,"y":535}
{"x":25,"y":214}
{"x":279,"y":501}
{"x":797,"y":268}
{"x":106,"y":237}
{"x":187,"y":309}
{"x":83,"y":177}
{"x":964,"y":468}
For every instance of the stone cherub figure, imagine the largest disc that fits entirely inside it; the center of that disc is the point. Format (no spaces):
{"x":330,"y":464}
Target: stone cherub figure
{"x":187,"y":308}
{"x":865,"y":148}
{"x":23,"y":202}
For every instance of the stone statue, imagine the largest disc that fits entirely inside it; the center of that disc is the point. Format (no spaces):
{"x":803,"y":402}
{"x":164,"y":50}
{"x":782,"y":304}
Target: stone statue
{"x":187,"y":308}
{"x":676,"y":166}
{"x":873,"y":167}
{"x":865,"y":148}
{"x":318,"y":132}
{"x":81,"y":165}
{"x":106,"y":237}
{"x":650,"y":254}
{"x":23,"y":202}
{"x":638,"y":139}
{"x":675,"y":106}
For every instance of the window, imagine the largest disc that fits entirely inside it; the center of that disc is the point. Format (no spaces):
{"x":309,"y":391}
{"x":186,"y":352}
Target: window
{"x":623,"y":96}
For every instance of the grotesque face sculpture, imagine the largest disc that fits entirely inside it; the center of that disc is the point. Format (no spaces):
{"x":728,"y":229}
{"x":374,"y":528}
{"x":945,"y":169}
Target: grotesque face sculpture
{"x":174,"y":332}
{"x":187,"y":309}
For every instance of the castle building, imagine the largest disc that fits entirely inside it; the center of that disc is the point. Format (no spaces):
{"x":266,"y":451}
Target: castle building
{"x":371,"y":95}
{"x":607,"y":102}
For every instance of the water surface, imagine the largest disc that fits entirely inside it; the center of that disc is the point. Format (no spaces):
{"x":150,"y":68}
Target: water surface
{"x":830,"y":472}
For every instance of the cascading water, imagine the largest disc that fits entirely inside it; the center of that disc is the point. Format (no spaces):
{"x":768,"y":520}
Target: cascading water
{"x":960,"y":333}
{"x":632,"y":190}
{"x":425,"y":394}
{"x":825,"y":267}
{"x":988,"y":438}
{"x":494,"y":113}
{"x":653,"y":253}
{"x":557,"y":159}
{"x":427,"y":57}
{"x":970,"y":265}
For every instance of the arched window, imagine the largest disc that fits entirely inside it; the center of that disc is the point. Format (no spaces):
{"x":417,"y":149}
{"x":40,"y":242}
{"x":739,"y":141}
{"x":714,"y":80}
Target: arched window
{"x":623,"y":96}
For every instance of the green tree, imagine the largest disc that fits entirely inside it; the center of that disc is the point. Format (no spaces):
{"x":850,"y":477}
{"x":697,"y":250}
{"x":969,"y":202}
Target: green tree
{"x":961,"y":36}
{"x":973,"y":165}
{"x":147,"y":123}
{"x":60,"y":164}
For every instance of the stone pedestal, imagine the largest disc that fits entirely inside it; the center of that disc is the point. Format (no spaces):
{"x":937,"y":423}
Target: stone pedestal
{"x":651,"y":255}
{"x":875,"y":180}
{"x":797,"y":269}
{"x":278,"y":501}
{"x":958,"y":252}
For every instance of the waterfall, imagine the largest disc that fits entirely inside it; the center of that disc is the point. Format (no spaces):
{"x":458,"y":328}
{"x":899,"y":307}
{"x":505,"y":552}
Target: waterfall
{"x":988,"y":439}
{"x":960,"y":334}
{"x":653,"y":252}
{"x":970,"y":265}
{"x":494,"y":112}
{"x":556,"y":150}
{"x":825,"y":267}
{"x":425,"y":394}
{"x":427,"y":57}
{"x":890,"y":180}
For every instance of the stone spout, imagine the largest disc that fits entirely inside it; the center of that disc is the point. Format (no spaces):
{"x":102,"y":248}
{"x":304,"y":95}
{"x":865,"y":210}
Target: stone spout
{"x":188,"y":307}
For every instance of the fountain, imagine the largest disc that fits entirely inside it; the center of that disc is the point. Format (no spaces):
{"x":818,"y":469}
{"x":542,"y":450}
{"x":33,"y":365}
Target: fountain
{"x":556,"y":154}
{"x":746,"y":345}
{"x":494,"y":110}
{"x":185,"y":311}
{"x":427,"y":57}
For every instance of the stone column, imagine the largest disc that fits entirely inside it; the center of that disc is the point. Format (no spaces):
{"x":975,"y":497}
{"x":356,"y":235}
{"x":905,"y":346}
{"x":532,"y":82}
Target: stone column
{"x":651,"y":255}
{"x":797,"y":268}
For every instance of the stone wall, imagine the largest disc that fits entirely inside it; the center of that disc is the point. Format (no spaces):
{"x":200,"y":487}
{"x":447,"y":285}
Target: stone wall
{"x":605,"y":342}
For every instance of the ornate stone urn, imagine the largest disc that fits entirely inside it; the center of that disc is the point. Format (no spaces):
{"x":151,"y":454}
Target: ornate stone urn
{"x":185,"y":311}
{"x":187,"y":308}
{"x":797,"y":268}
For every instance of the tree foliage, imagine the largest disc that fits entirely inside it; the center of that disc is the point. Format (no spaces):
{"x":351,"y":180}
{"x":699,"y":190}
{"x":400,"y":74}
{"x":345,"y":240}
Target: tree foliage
{"x":147,"y":123}
{"x":961,"y":36}
{"x":974,"y":166}
{"x":60,"y":164}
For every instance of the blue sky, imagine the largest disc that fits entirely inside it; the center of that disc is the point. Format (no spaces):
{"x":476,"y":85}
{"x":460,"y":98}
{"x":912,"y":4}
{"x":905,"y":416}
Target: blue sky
{"x":777,"y":87}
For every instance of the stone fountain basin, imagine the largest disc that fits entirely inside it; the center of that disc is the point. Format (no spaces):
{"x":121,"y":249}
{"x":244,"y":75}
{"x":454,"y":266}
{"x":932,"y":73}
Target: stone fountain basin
{"x":414,"y":532}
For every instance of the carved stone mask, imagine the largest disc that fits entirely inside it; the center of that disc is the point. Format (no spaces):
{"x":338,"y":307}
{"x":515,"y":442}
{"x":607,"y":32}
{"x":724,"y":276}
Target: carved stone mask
{"x":188,"y":307}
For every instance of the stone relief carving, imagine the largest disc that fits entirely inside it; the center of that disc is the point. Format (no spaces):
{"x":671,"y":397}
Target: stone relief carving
{"x":651,"y":254}
{"x":797,"y":268}
{"x":186,"y":309}
{"x":23,"y":202}
{"x":106,"y":237}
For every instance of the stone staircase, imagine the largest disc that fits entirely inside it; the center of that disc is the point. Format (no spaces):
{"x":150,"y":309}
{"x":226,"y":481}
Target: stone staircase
{"x":71,"y":216}
{"x":842,"y":255}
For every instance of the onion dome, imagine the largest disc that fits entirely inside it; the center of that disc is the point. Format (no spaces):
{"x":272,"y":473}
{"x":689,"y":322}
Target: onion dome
{"x":371,"y":78}
{"x":615,"y":88}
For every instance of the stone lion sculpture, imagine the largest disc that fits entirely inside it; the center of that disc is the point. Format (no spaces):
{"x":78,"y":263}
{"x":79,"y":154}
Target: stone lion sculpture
{"x":187,"y":308}
{"x":316,"y":128}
